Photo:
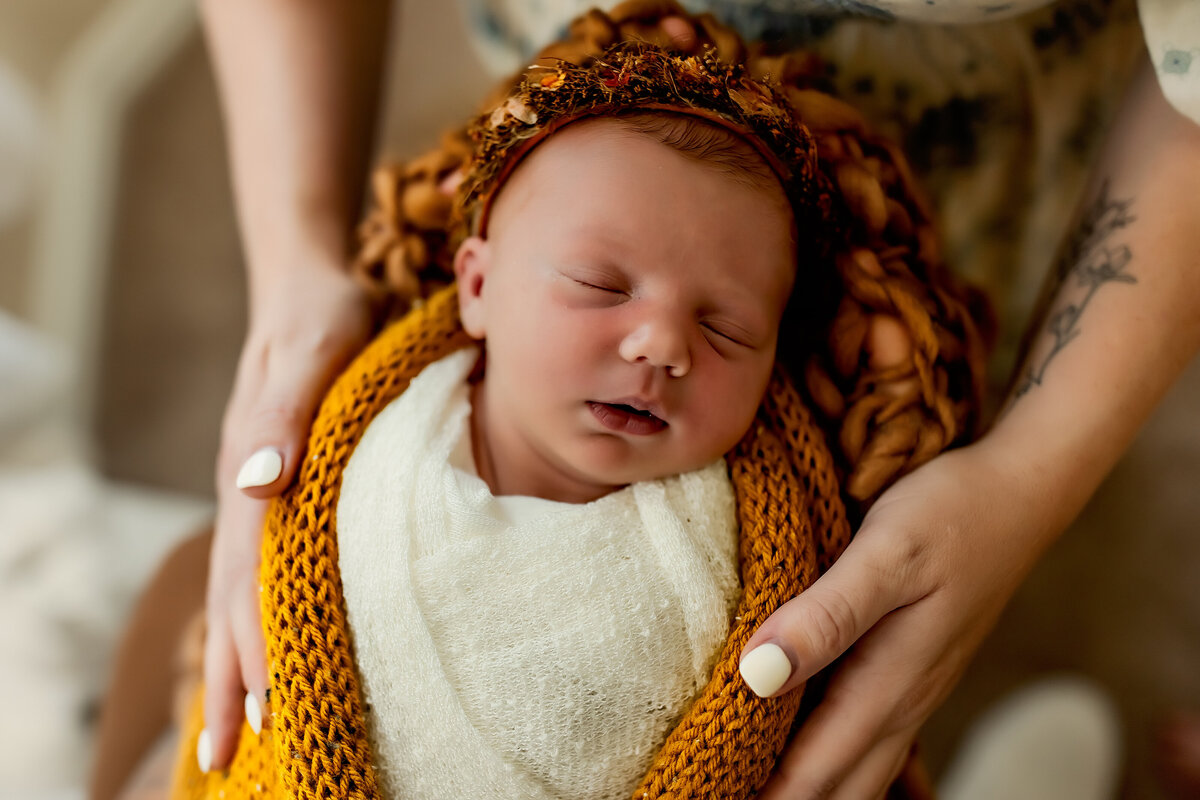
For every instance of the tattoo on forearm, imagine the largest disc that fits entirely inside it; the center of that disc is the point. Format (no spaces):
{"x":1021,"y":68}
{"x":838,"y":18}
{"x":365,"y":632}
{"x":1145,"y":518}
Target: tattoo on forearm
{"x":1091,"y":259}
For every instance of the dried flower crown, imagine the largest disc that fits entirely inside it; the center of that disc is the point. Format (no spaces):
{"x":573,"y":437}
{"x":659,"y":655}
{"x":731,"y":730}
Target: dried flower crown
{"x":637,"y":76}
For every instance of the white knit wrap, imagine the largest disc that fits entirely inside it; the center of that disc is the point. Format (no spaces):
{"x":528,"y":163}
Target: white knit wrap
{"x":518,"y":647}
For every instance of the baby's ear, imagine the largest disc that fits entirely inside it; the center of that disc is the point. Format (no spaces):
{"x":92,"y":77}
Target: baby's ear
{"x":471,"y":264}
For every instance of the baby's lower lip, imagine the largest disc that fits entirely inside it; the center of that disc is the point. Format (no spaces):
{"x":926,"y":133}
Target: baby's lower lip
{"x":623,"y":420}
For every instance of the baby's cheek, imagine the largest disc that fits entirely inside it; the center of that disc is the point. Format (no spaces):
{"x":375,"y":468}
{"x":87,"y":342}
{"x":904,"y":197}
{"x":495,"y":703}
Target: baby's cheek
{"x":720,"y":421}
{"x":566,"y":360}
{"x":740,"y":403}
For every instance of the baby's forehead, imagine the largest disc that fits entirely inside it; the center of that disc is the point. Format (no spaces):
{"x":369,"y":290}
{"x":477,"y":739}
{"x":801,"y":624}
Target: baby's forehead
{"x":609,"y":194}
{"x":706,"y":145}
{"x":579,"y":158}
{"x":605,"y":172}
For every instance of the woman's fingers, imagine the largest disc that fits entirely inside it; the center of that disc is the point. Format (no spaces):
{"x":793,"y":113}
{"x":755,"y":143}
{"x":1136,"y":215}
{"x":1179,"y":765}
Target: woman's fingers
{"x":818,"y":625}
{"x":269,"y":443}
{"x":235,"y":682}
{"x":874,"y":774}
{"x":914,"y":593}
{"x":251,"y":646}
{"x":854,"y":736}
{"x":234,"y":692}
{"x":856,"y":740}
{"x":266,"y":424}
{"x":853,"y":775}
{"x":304,"y":332}
{"x":301,"y":340}
{"x":869,"y":777}
{"x":234,"y":651}
{"x":223,"y":710}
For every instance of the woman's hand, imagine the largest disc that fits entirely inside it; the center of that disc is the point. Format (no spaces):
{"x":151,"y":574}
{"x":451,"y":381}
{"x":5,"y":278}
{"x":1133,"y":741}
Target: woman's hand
{"x":909,"y":601}
{"x":302,"y":333}
{"x":941,"y":551}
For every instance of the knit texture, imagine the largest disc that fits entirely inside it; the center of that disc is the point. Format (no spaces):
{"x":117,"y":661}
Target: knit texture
{"x":888,"y":349}
{"x":551,"y":646}
{"x":314,"y":744}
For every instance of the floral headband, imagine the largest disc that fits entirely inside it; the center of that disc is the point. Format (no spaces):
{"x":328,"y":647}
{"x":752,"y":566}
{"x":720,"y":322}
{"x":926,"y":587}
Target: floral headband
{"x":638,"y":76}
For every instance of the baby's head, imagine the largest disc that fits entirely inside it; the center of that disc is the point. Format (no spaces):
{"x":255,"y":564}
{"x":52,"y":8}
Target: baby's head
{"x":629,"y":290}
{"x":629,"y":293}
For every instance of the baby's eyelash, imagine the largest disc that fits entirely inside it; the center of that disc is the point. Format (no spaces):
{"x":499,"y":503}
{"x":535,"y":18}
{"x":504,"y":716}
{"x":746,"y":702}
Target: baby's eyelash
{"x":725,"y":335}
{"x":608,"y":289}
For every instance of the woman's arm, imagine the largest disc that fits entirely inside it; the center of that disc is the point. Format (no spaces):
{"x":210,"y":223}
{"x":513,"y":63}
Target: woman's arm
{"x":942,"y":551}
{"x":299,"y":81}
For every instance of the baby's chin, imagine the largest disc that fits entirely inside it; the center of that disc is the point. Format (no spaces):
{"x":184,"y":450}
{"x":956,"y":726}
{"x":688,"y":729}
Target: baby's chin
{"x":615,"y":470}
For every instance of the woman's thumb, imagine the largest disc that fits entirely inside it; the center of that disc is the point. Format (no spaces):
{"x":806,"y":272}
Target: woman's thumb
{"x":270,"y":442}
{"x":808,"y":632}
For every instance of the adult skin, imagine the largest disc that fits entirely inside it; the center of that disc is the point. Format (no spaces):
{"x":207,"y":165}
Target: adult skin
{"x":299,"y":82}
{"x":939,"y":554}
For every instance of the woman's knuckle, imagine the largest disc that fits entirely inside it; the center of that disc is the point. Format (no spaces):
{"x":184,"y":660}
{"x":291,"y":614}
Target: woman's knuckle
{"x":831,"y":622}
{"x":908,"y":566}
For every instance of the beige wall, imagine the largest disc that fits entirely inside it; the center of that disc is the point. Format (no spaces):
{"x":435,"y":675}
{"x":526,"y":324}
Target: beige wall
{"x":34,"y":37}
{"x":171,"y":308}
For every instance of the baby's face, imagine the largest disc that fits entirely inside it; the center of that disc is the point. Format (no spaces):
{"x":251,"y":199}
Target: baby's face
{"x":630,"y":299}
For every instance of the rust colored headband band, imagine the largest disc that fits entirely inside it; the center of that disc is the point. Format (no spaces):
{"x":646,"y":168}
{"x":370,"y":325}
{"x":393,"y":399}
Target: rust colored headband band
{"x":519,"y":152}
{"x":633,"y":77}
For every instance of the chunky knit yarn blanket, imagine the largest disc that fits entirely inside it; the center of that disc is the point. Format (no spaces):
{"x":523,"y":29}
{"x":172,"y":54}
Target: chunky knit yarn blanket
{"x":314,"y":745}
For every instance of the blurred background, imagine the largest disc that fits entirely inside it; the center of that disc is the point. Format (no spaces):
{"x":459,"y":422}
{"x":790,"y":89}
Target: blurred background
{"x":122,"y":310}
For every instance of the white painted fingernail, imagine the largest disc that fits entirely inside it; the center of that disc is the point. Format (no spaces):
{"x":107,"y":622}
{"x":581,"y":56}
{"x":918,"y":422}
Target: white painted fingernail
{"x":253,"y":713}
{"x":265,"y":466}
{"x":204,"y":751}
{"x":765,"y":669}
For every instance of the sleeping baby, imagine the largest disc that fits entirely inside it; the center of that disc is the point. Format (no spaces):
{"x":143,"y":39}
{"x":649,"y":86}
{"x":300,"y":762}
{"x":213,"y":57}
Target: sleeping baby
{"x":537,"y":539}
{"x":546,"y":559}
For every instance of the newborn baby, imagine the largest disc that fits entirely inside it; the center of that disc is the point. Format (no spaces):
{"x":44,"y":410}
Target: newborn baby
{"x":542,"y":515}
{"x":538,"y":542}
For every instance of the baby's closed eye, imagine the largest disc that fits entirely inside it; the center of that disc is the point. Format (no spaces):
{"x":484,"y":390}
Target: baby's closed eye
{"x":728,"y":332}
{"x":599,"y":287}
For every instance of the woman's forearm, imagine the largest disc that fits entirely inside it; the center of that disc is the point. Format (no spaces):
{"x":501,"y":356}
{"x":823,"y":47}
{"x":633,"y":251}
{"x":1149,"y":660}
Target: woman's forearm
{"x":1124,"y":318}
{"x":299,"y":83}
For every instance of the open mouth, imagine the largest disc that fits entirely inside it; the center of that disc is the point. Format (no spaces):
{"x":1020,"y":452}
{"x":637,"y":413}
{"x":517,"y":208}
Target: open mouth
{"x":624,"y":418}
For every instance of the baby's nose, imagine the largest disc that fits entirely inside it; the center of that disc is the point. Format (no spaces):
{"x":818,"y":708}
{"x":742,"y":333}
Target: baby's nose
{"x":658,"y":343}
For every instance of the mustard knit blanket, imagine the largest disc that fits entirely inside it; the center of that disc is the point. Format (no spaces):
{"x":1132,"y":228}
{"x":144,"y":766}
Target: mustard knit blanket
{"x":314,"y":743}
{"x":551,"y":646}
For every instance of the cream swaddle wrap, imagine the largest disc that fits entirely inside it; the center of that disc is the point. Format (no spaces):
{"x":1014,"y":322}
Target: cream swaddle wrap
{"x":519,"y":647}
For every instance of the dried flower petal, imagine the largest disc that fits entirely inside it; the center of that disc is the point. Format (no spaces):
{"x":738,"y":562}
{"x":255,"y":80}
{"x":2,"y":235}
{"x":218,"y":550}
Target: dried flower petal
{"x":519,"y":110}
